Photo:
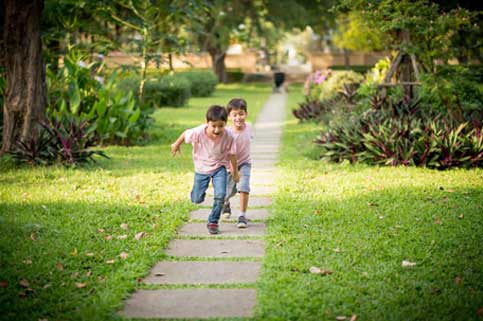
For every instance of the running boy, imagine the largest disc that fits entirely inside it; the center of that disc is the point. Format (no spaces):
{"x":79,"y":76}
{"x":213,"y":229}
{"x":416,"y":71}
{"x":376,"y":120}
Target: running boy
{"x":242,"y":131}
{"x":213,"y":147}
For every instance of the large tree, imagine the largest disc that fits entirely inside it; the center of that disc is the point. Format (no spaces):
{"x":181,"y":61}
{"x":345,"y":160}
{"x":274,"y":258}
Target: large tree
{"x":25,"y":94}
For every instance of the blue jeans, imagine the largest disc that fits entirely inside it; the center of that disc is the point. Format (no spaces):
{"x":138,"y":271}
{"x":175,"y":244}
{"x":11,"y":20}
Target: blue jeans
{"x":200,"y":185}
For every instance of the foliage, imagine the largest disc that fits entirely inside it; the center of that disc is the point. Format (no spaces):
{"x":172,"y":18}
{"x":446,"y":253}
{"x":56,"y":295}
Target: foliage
{"x":155,"y":25}
{"x":353,"y":33}
{"x":369,"y":87}
{"x":361,"y":69}
{"x":456,"y":89}
{"x":116,"y":115}
{"x":234,"y":75}
{"x":420,"y":27}
{"x":317,"y":110}
{"x":327,"y":84}
{"x":73,"y":88}
{"x":169,"y":90}
{"x":400,"y":133}
{"x":202,"y":83}
{"x":113,"y":112}
{"x":66,"y":141}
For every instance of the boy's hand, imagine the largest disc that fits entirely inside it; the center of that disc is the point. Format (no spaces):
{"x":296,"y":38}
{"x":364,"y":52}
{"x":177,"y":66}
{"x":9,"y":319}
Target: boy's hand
{"x":175,"y":149}
{"x":236,"y":177}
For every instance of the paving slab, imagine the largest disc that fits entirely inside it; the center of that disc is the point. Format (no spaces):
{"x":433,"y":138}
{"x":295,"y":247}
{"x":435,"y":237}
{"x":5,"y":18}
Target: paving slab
{"x":257,"y":190}
{"x":267,"y":150}
{"x":199,"y":272}
{"x":259,"y":177}
{"x":255,"y":214}
{"x":226,"y":229}
{"x":216,"y":248}
{"x":253,"y":201}
{"x":190,"y":303}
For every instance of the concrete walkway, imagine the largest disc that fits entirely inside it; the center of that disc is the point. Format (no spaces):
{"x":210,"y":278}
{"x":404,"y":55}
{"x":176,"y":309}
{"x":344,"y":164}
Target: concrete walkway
{"x":201,"y":259}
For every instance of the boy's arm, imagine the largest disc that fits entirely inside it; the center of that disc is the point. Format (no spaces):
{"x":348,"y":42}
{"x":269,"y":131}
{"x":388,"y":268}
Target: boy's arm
{"x":234,"y":168}
{"x":175,"y":147}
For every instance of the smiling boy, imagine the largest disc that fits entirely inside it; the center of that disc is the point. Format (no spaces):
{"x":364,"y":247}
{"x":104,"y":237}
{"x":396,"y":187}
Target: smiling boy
{"x":214,"y":150}
{"x":242,"y":132}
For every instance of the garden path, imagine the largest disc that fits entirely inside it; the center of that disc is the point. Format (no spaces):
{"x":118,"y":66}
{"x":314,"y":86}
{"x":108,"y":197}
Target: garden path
{"x":214,"y":276}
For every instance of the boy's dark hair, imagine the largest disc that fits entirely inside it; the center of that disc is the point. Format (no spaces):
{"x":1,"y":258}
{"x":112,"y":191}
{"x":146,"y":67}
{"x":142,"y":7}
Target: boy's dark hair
{"x":236,"y":104}
{"x":216,"y":113}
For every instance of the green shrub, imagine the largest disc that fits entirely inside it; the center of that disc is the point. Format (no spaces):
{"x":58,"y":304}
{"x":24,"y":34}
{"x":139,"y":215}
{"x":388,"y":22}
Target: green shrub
{"x":326,"y":84}
{"x":456,"y":89}
{"x":315,"y":109}
{"x":336,"y":81}
{"x":112,"y":110}
{"x":362,"y":69}
{"x":129,"y":84}
{"x":234,"y":75}
{"x":203,"y":83}
{"x":400,"y":133}
{"x":170,"y":90}
{"x":116,"y":115}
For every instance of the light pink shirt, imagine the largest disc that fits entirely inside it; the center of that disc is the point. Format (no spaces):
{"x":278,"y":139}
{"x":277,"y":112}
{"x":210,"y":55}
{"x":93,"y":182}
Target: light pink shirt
{"x":242,"y":140}
{"x":209,"y":154}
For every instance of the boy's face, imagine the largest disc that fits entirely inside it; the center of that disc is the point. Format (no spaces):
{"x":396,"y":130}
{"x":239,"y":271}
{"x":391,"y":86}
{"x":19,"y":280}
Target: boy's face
{"x":238,"y":117}
{"x":215,"y":128}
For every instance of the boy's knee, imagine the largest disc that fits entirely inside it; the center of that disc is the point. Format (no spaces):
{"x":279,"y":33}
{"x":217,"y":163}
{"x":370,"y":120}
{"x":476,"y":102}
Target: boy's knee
{"x":197,"y":199}
{"x":220,"y":198}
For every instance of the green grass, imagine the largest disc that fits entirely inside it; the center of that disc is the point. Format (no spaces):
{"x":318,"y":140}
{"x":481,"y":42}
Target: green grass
{"x":361,"y":222}
{"x":54,"y":221}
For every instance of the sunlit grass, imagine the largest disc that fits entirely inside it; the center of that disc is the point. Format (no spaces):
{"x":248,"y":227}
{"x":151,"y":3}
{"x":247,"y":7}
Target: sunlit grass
{"x":361,"y":222}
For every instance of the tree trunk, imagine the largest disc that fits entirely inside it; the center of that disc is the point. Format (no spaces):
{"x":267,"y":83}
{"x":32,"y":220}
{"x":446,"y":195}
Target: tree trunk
{"x":218,"y":63}
{"x":25,"y":94}
{"x":347,"y":63}
{"x":170,"y":61}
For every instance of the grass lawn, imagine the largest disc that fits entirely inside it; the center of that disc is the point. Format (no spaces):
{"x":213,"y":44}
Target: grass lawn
{"x":361,"y":222}
{"x":68,"y":249}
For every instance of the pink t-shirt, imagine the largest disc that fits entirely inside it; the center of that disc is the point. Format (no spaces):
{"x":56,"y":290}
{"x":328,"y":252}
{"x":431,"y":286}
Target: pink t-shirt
{"x":209,"y":154}
{"x":242,"y":140}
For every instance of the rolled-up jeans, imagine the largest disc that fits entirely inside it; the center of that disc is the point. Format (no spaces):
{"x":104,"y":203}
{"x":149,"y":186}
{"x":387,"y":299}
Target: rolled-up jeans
{"x":200,"y":185}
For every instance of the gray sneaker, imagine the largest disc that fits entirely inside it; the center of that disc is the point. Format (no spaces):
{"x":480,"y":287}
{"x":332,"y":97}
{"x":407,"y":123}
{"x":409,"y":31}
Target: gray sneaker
{"x":242,"y":222}
{"x":226,"y":211}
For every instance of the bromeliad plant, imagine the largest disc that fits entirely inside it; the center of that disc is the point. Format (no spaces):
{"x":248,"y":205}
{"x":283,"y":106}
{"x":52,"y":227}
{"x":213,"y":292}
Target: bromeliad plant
{"x":66,"y":141}
{"x":401,"y":133}
{"x":314,"y":109}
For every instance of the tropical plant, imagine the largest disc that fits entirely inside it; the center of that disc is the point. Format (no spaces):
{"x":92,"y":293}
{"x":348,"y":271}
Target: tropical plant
{"x":403,"y":133}
{"x":315,"y":109}
{"x":78,"y":91}
{"x":67,"y":141}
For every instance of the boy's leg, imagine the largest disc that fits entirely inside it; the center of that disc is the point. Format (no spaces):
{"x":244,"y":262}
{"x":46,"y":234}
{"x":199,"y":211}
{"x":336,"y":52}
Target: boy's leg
{"x":200,"y":185}
{"x":243,"y":203}
{"x":244,"y":190}
{"x":230,"y":192}
{"x":219,"y":187}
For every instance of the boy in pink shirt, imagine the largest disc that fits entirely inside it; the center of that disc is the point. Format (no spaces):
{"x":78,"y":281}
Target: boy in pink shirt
{"x":242,"y":131}
{"x":214,"y":150}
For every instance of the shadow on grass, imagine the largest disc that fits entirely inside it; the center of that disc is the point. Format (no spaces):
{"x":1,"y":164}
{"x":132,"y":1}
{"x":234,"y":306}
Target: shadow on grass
{"x":363,"y":240}
{"x":64,"y":261}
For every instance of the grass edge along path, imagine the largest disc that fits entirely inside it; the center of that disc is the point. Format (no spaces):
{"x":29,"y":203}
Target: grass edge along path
{"x":358,"y":224}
